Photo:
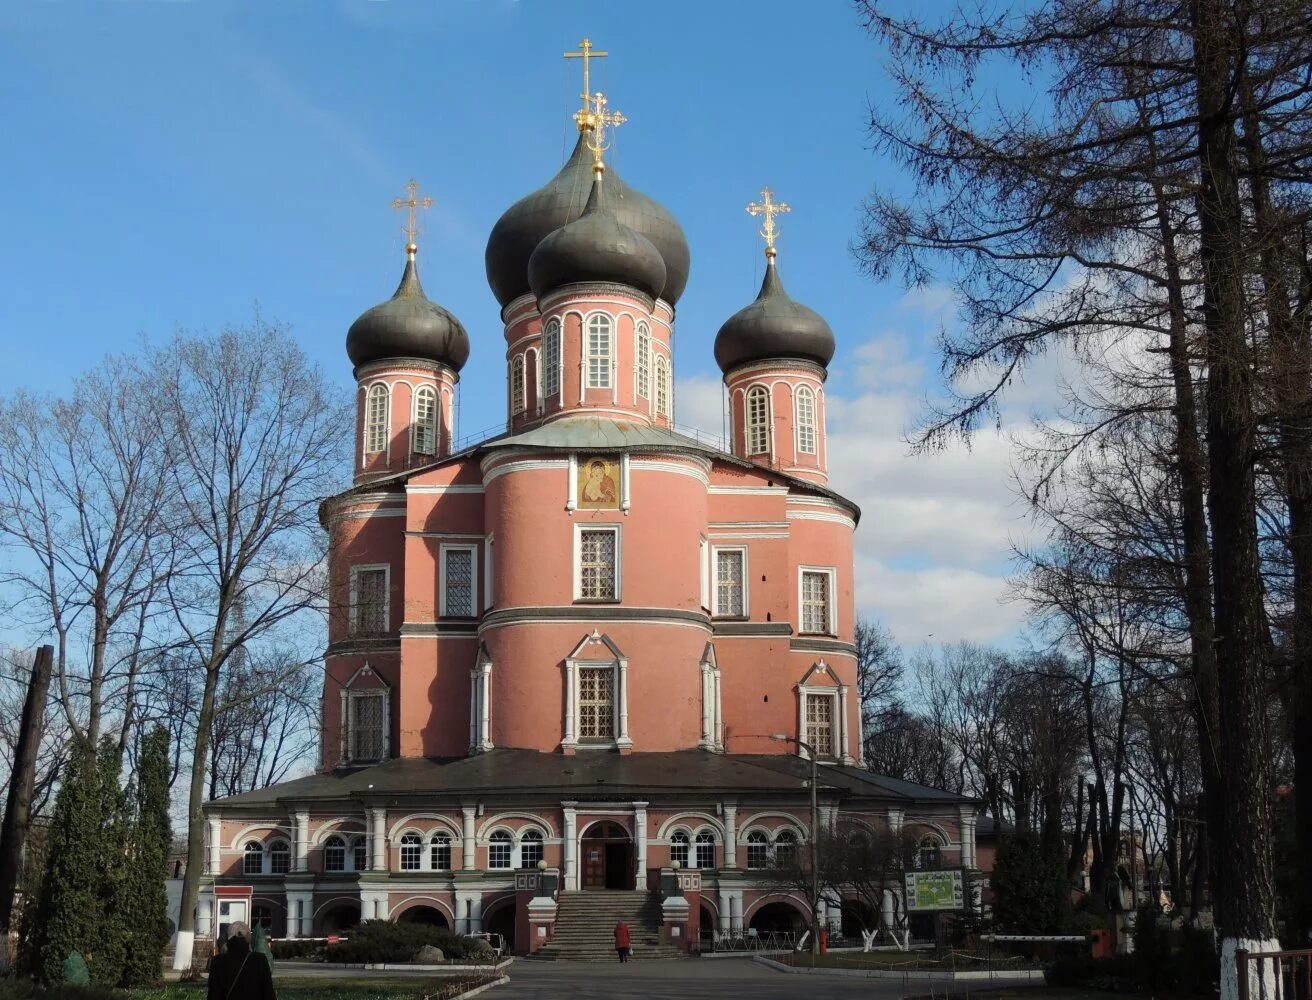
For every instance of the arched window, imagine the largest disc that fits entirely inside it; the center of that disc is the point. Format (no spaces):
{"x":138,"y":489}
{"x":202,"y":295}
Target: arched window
{"x":929,"y":852}
{"x":252,"y":862}
{"x":805,"y":416}
{"x":642,"y":362}
{"x":758,"y":850}
{"x":499,"y":849}
{"x":280,"y":857}
{"x":360,"y":851}
{"x":785,"y":848}
{"x":530,"y":848}
{"x":375,"y":419}
{"x":758,"y":420}
{"x":662,"y":387}
{"x":440,"y":852}
{"x":551,"y":360}
{"x":334,"y":854}
{"x":412,"y":847}
{"x":425,"y":425}
{"x":518,"y":402}
{"x":600,"y":351}
{"x":705,"y":849}
{"x":679,"y":848}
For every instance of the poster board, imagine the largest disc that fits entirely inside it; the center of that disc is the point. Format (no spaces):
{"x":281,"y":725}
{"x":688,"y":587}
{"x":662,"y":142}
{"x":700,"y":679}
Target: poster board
{"x":938,"y":890}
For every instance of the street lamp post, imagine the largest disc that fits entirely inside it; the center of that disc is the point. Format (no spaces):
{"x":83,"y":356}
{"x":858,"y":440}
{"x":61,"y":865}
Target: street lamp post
{"x":815,"y":838}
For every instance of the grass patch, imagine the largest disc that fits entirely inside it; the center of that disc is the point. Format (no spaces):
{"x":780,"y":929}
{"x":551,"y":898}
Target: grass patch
{"x":344,"y":988}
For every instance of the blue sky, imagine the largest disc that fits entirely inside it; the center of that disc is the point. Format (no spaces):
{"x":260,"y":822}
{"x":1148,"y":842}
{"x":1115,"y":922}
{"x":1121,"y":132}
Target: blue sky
{"x":179,"y":164}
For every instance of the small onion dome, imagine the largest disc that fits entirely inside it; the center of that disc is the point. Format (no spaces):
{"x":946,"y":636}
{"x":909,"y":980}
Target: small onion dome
{"x":534,"y":217}
{"x":774,"y":326}
{"x":408,"y":325}
{"x":596,"y":247}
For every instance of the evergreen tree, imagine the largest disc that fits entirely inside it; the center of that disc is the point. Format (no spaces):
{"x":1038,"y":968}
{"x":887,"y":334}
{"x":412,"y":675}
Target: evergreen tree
{"x":145,"y":903}
{"x":1028,"y":886}
{"x":105,"y":953}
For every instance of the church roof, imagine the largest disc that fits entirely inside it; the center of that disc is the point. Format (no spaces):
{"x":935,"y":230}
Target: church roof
{"x":408,"y":325}
{"x":585,"y":776}
{"x":773,"y":327}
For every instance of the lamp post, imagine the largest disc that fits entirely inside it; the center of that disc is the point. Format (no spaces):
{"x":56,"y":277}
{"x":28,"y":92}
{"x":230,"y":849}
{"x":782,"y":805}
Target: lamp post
{"x":815,"y":837}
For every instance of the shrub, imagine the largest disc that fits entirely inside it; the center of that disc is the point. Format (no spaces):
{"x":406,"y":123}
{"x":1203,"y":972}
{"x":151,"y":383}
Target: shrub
{"x":296,"y":948}
{"x":382,"y":941}
{"x":1151,"y":950}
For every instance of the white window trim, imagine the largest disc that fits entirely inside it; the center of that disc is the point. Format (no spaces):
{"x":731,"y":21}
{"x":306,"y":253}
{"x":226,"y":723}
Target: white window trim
{"x":348,"y":857}
{"x":797,"y":421}
{"x":518,"y":392}
{"x":715,"y":581}
{"x":414,"y":419}
{"x":618,"y":531}
{"x":642,"y":360}
{"x":514,"y":850}
{"x":443,"y":549}
{"x":355,"y":594}
{"x":347,"y":693}
{"x":620,"y":721}
{"x":832,"y":573}
{"x":769,"y":421}
{"x":663,"y":387}
{"x":712,"y":708}
{"x":480,"y":705}
{"x":517,"y":854}
{"x":553,"y":330}
{"x":586,"y":383}
{"x":386,"y":449}
{"x":841,"y":736}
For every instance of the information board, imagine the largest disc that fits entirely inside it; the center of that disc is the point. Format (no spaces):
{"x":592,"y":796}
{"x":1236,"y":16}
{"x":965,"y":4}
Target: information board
{"x":935,"y":891}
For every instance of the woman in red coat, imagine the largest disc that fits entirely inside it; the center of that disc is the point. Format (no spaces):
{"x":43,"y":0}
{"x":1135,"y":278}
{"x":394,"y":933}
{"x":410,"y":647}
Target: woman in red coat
{"x":622,"y":941}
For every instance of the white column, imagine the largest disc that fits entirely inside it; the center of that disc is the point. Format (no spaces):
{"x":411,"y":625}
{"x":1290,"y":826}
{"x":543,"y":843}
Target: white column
{"x":845,"y":754}
{"x":300,"y":909}
{"x":801,"y":719}
{"x":725,"y":909}
{"x":730,"y":835}
{"x":708,"y":708}
{"x":967,"y":836}
{"x":571,"y":702}
{"x":736,"y":913}
{"x":717,"y":725}
{"x":378,"y":838}
{"x":640,"y":838}
{"x":216,"y":831}
{"x":571,"y":845}
{"x":623,"y":693}
{"x":473,"y":709}
{"x":302,"y":842}
{"x":467,"y":843}
{"x":485,"y":703}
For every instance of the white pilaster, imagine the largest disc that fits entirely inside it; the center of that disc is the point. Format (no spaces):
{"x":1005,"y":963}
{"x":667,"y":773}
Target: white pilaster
{"x":736,"y":913}
{"x":215,"y":832}
{"x":707,"y":741}
{"x":302,"y":842}
{"x":623,"y":693}
{"x":378,"y":840}
{"x":467,"y":843}
{"x":968,"y":818}
{"x":717,"y":726}
{"x":485,"y":738}
{"x":725,"y":910}
{"x":571,"y":845}
{"x":730,"y":834}
{"x":640,"y":838}
{"x":844,"y":748}
{"x":571,"y":737}
{"x":300,"y":914}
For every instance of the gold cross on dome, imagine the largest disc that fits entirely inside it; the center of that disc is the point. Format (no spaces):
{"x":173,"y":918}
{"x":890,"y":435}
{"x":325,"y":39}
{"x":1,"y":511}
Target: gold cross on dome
{"x":586,"y":52}
{"x":768,"y":207}
{"x":410,"y":203}
{"x":597,"y":120}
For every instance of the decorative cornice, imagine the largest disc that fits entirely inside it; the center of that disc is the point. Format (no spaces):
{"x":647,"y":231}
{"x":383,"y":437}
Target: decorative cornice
{"x":810,"y":644}
{"x":592,"y":613}
{"x":756,"y":629}
{"x":360,"y":647}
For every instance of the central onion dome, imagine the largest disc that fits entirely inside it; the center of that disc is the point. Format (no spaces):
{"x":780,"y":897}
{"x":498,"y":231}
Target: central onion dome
{"x":596,"y":247}
{"x":773,"y":327}
{"x":534,"y":217}
{"x":408,"y":325}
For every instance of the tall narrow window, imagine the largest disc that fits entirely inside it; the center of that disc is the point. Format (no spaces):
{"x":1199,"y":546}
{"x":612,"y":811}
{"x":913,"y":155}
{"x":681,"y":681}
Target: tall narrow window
{"x":599,"y":351}
{"x":551,"y":360}
{"x":662,"y":387}
{"x":679,"y":846}
{"x":439,"y":849}
{"x":758,"y":420}
{"x":816,"y":608}
{"x":518,"y":403}
{"x":412,"y":852}
{"x":360,"y":853}
{"x":375,"y":419}
{"x":252,"y":862}
{"x":530,"y":848}
{"x":805,"y":420}
{"x":820,"y":723}
{"x":334,"y":854}
{"x":642,"y":347}
{"x":758,"y":850}
{"x":458,"y":582}
{"x":499,"y":850}
{"x":785,"y":849}
{"x":425,"y":425}
{"x":369,"y":598}
{"x":366,"y":717}
{"x":280,"y":857}
{"x":598,"y":564}
{"x":705,"y":849}
{"x":729,"y":575}
{"x":597,"y":703}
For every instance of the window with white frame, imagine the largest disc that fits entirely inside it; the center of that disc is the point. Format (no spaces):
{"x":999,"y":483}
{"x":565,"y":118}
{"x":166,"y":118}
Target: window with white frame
{"x":600,"y":350}
{"x":679,"y":848}
{"x":758,"y":849}
{"x":518,"y":402}
{"x":642,"y":361}
{"x":280,"y":857}
{"x":375,"y":419}
{"x":598,"y":564}
{"x":662,"y":387}
{"x":412,"y":852}
{"x":817,"y":600}
{"x":458,"y":583}
{"x":929,"y":853}
{"x":805,"y":416}
{"x":730,"y":582}
{"x":360,"y":853}
{"x":820,"y":723}
{"x":334,"y":854}
{"x":530,"y":848}
{"x":596,"y":702}
{"x":369,"y":599}
{"x":439,"y":852}
{"x":705,"y":853}
{"x":425,"y":423}
{"x":785,"y":848}
{"x":551,"y":360}
{"x":365,"y":725}
{"x":758,"y":420}
{"x":499,"y":850}
{"x":252,"y":859}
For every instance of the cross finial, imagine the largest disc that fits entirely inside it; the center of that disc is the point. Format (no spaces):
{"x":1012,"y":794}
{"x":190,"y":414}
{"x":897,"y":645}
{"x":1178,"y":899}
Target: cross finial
{"x":410,"y":202}
{"x":586,"y":52}
{"x":595,"y":121}
{"x":768,"y":207}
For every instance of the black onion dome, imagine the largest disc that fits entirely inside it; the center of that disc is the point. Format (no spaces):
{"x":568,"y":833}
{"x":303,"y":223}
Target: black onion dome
{"x":534,"y":217}
{"x":596,"y":247}
{"x":774,"y":326}
{"x":408,"y":325}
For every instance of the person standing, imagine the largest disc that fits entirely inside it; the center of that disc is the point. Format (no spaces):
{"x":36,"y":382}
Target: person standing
{"x":622,"y":940}
{"x":240,"y":973}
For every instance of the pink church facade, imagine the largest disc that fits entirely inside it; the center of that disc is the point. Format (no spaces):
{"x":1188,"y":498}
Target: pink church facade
{"x":559,"y":660}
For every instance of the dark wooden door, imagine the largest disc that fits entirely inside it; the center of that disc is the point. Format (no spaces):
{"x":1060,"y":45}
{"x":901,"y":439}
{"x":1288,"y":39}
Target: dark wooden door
{"x":594,"y":864}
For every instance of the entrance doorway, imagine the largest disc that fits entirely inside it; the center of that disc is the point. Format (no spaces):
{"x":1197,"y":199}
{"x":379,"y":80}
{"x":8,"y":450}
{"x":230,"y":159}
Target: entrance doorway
{"x":608,"y":857}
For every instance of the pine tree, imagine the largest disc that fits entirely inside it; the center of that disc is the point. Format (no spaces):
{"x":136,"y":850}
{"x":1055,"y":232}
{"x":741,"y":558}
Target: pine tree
{"x":145,"y":899}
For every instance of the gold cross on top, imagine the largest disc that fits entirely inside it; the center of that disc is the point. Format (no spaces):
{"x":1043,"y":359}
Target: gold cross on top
{"x":768,"y":207}
{"x":596,"y":120}
{"x":410,"y":203}
{"x":586,"y":52}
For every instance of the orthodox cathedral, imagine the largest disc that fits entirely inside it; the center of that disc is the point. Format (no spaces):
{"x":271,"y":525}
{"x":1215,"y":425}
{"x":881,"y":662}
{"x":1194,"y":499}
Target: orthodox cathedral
{"x":586,"y":667}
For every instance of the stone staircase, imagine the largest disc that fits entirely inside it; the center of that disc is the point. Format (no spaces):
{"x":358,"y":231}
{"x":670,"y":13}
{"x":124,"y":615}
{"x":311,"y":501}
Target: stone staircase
{"x":585,"y":926}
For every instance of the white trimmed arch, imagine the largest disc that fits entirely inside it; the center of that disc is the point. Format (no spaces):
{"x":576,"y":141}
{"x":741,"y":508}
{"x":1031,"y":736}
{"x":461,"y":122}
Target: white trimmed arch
{"x":800,"y":828}
{"x":446,"y":824}
{"x":337,"y":825}
{"x":499,"y":820}
{"x":692,"y":823}
{"x":271,"y":832}
{"x":410,"y":902}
